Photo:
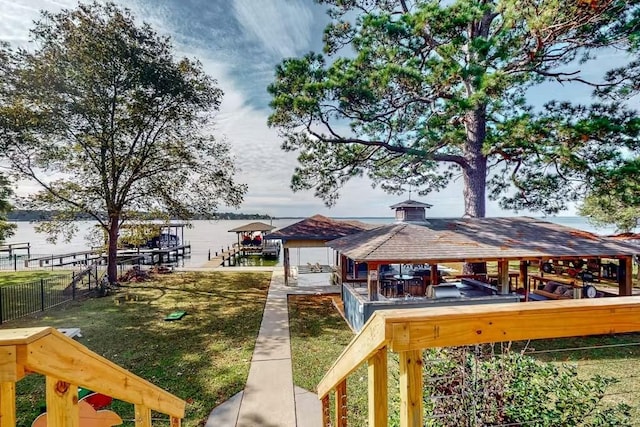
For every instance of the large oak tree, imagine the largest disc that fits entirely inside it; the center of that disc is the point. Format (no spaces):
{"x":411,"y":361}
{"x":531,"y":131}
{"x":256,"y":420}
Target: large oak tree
{"x":107,"y":122}
{"x":412,"y":91}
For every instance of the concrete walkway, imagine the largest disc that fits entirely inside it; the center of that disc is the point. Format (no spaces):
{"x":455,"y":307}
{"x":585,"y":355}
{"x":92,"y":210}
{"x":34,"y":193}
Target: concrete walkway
{"x":270,"y":398}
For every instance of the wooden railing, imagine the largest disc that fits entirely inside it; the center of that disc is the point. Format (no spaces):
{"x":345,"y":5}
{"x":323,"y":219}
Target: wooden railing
{"x":68,"y":364}
{"x":409,"y":331}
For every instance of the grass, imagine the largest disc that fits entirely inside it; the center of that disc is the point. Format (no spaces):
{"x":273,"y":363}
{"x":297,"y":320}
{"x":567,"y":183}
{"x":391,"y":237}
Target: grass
{"x":17,"y":277}
{"x":203,"y":358}
{"x":318,"y":336}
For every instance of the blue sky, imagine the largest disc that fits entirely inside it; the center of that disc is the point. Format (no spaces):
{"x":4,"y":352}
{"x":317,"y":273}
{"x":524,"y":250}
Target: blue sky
{"x":239,"y":43}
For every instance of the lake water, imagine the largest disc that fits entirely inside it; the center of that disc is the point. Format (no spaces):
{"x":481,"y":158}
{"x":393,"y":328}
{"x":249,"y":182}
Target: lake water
{"x":205,"y":236}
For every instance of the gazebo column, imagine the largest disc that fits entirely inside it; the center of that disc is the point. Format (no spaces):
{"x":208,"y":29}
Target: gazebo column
{"x":625,"y":276}
{"x":373,"y":276}
{"x":286,"y":265}
{"x":433,"y":268}
{"x":343,"y":267}
{"x":524,"y":278}
{"x":503,"y":277}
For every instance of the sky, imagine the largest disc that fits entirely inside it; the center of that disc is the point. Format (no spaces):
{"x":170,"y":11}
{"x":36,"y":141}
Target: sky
{"x":239,"y":43}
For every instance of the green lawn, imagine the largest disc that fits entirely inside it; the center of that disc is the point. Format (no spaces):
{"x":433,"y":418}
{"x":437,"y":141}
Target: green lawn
{"x":318,"y":335}
{"x":17,"y":277}
{"x":203,"y":358}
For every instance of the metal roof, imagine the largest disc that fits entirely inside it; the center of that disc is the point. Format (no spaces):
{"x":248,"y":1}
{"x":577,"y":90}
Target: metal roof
{"x":254,"y":226}
{"x":319,"y":227}
{"x":477,"y":239}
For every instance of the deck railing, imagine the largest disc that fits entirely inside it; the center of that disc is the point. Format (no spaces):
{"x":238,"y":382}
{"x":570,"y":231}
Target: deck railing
{"x":68,"y":364}
{"x":409,"y":331}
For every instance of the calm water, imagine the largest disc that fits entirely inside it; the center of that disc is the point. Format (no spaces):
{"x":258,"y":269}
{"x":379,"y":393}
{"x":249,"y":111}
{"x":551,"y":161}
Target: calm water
{"x":205,"y":236}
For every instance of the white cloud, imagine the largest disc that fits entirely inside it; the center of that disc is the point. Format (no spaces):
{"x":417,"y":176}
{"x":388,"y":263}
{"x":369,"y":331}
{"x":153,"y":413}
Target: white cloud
{"x":281,"y":26}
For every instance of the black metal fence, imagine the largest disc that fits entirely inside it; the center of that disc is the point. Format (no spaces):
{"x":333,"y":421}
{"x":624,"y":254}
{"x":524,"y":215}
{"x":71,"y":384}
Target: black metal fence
{"x":22,"y":299}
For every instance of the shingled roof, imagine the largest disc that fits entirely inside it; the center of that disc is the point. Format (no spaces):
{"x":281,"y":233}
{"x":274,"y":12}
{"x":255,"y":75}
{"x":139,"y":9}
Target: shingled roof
{"x":319,"y":227}
{"x":469,"y":239}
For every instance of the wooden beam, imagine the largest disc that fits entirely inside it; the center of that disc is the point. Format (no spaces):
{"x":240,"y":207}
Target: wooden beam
{"x":286,"y":266}
{"x":305,"y":244}
{"x":370,"y":339}
{"x":8,"y":404}
{"x":143,"y":416}
{"x":58,"y":356}
{"x":62,"y":403}
{"x":411,"y":388}
{"x":433,"y":274}
{"x":9,"y":364}
{"x":378,"y":393}
{"x":373,"y":279}
{"x":625,"y":276}
{"x":524,"y":278}
{"x":503,"y":277}
{"x":478,"y":324}
{"x":341,"y":404}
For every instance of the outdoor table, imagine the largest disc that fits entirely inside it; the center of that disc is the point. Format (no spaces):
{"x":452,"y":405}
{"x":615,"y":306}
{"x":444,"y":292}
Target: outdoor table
{"x":401,"y":281}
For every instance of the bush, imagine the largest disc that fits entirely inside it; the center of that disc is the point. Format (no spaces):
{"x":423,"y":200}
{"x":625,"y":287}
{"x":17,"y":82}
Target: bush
{"x":472,"y":386}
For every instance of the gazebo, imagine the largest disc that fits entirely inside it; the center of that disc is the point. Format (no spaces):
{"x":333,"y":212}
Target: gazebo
{"x":254,"y":227}
{"x":313,"y":232}
{"x":500,"y":240}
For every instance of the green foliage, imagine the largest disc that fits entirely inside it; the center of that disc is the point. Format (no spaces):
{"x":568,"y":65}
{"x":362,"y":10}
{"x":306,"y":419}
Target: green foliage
{"x":6,"y":229}
{"x":604,"y":209}
{"x":614,"y":197}
{"x":467,"y":387}
{"x":420,"y":91}
{"x":103,"y":107}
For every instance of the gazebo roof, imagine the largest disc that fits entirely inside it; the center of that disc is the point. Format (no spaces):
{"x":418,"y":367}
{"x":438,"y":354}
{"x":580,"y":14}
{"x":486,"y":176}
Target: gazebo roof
{"x":254,"y":226}
{"x":319,"y":227}
{"x":477,"y":239}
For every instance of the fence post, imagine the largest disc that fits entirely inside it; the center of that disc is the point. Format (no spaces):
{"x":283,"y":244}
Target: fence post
{"x":15,"y":262}
{"x":73,"y":285}
{"x":42,"y":294}
{"x":209,"y":256}
{"x":1,"y":307}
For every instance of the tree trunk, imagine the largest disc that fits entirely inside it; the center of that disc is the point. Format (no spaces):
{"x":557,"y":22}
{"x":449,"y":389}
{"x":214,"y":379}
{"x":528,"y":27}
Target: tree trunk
{"x":112,"y":253}
{"x":475,"y":174}
{"x":475,"y":170}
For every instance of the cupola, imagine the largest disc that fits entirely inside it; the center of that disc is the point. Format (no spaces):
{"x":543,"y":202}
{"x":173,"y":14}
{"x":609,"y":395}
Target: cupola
{"x":411,"y":211}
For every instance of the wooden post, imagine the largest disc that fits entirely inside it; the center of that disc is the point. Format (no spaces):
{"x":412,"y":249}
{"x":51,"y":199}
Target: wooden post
{"x":433,"y":274}
{"x":524,"y":278}
{"x":62,"y":404}
{"x":377,"y":376}
{"x":326,"y":412}
{"x":341,"y":404}
{"x":176,"y":422}
{"x":411,"y":388}
{"x":286,"y":266}
{"x":143,"y":416}
{"x":625,"y":276}
{"x":8,"y":404}
{"x":503,"y":277}
{"x":372,"y":281}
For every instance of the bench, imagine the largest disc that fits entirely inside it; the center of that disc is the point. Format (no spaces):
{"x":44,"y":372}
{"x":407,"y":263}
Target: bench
{"x":549,"y":295}
{"x":535,"y":281}
{"x":549,"y":291}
